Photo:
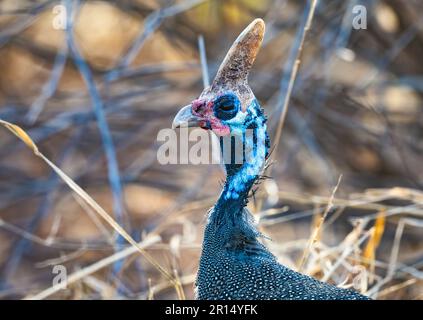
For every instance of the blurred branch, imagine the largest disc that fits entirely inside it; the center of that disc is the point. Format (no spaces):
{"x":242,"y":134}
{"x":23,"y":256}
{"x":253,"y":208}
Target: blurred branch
{"x":203,"y":58}
{"x":78,"y":275}
{"x":151,"y":23}
{"x":30,"y":15}
{"x":113,"y":167}
{"x":50,"y":87}
{"x":292,"y":64}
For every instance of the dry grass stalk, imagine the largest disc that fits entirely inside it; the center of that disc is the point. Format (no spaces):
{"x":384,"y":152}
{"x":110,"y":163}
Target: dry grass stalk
{"x":369,"y":253}
{"x":22,"y":135}
{"x":80,"y":274}
{"x":318,"y":227}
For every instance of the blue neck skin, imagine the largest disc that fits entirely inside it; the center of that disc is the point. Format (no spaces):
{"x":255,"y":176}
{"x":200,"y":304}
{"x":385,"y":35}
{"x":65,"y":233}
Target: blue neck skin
{"x":229,"y":209}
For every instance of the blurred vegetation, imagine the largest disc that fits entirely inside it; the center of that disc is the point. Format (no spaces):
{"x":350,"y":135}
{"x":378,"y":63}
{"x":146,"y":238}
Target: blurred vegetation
{"x":356,"y":110}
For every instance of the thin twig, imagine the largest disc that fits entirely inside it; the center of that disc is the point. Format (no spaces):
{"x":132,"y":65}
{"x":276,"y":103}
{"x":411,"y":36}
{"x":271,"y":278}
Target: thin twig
{"x":288,"y":80}
{"x":319,"y":225}
{"x":203,"y":59}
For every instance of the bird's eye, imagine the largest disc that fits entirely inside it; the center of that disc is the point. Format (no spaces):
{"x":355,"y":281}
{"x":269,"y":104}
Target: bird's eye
{"x":226,"y":107}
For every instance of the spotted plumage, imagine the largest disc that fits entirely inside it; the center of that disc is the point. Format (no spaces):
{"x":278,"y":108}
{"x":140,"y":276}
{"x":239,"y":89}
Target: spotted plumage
{"x":240,"y":267}
{"x":234,"y":263}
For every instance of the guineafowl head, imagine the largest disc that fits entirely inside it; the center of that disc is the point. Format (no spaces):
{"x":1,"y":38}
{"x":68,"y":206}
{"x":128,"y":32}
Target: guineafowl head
{"x":229,"y":108}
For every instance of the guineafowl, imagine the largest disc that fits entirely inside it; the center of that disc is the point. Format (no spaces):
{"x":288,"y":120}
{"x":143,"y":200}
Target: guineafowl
{"x":234,"y":264}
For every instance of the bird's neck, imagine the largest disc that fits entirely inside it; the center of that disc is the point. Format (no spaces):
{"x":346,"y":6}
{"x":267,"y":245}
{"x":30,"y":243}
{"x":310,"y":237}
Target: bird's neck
{"x":229,"y":209}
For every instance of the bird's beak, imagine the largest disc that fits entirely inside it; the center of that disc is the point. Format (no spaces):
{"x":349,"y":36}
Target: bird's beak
{"x":185,"y":118}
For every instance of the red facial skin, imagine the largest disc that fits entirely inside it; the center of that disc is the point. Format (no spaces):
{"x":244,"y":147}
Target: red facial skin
{"x":204,"y":110}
